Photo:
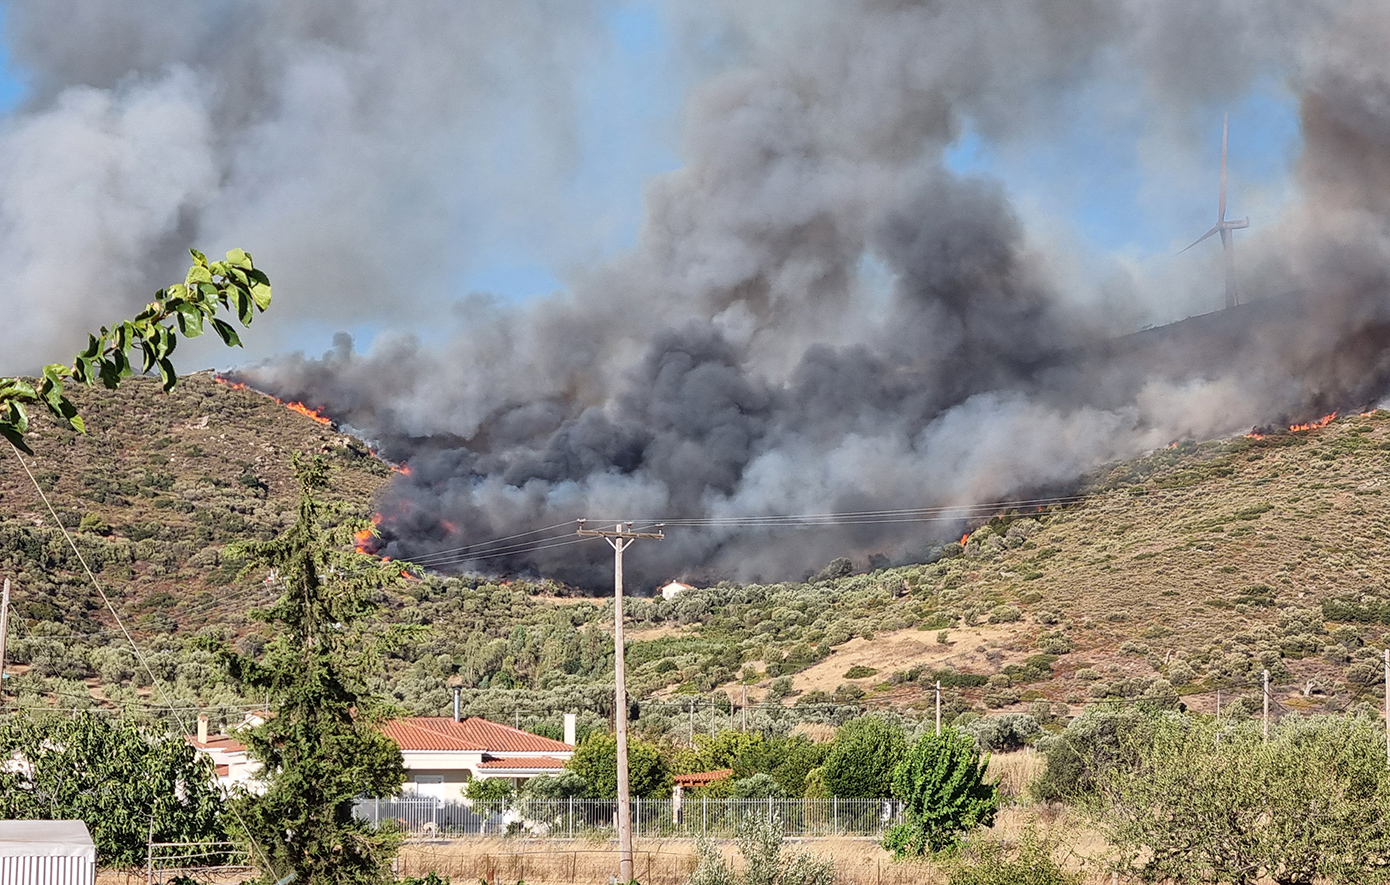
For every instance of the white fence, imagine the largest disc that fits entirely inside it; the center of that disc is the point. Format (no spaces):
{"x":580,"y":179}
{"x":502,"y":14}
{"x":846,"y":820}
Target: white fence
{"x":568,"y":818}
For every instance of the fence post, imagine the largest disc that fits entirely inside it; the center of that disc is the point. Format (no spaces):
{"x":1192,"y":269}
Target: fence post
{"x":571,"y":817}
{"x":637,"y":816}
{"x":835,"y":815}
{"x":704,"y":816}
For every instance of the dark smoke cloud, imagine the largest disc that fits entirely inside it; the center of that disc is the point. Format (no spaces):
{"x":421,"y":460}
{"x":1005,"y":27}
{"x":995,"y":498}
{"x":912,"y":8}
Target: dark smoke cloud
{"x":818,"y":315}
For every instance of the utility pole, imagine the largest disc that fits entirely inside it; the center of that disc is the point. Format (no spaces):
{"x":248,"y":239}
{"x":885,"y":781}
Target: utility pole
{"x":1387,"y":695}
{"x":4,"y":628}
{"x":620,"y":539}
{"x":1266,"y":717}
{"x":744,"y":708}
{"x":692,"y":722}
{"x":938,"y":708}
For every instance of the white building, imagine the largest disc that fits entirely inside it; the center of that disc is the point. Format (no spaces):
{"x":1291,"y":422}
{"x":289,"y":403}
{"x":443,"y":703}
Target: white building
{"x":674,"y":589}
{"x":441,"y":754}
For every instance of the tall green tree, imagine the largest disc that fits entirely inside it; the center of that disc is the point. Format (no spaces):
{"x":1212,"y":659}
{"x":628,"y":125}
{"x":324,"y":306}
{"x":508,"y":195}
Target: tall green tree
{"x":942,"y":785}
{"x":209,"y":287}
{"x":862,"y":758}
{"x":596,"y":760}
{"x":321,"y":748}
{"x":128,"y":784}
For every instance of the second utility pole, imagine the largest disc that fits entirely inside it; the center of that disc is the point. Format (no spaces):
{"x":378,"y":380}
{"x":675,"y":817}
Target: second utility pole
{"x":620,"y":539}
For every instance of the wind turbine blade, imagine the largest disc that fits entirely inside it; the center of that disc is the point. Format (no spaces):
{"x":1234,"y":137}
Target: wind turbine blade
{"x":1221,"y":204}
{"x":1211,"y":233}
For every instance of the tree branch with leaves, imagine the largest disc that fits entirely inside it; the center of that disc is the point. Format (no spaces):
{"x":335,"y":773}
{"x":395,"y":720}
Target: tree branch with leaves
{"x":233,"y":285}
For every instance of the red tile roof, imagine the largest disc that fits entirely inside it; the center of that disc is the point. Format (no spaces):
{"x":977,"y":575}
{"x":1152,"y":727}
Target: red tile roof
{"x":473,"y":734}
{"x":702,"y":778}
{"x":218,"y":742}
{"x":523,"y":762}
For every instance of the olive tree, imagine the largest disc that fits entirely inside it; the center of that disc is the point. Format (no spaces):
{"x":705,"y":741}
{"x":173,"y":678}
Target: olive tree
{"x":1220,"y":803}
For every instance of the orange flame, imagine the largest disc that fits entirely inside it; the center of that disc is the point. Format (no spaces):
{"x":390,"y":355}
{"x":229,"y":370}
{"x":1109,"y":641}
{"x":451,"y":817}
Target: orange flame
{"x":963,"y":538}
{"x":306,"y":412}
{"x":403,"y":469}
{"x":292,"y":406}
{"x":1253,"y":435}
{"x":363,"y":539}
{"x":1321,"y":422}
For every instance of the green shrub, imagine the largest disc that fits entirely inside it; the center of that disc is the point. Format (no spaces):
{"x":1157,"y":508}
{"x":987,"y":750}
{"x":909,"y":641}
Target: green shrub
{"x":862,"y":758}
{"x":986,"y":862}
{"x":941,"y":784}
{"x":859,"y":671}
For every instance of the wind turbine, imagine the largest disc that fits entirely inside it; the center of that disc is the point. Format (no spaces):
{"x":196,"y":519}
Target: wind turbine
{"x":1225,"y":227}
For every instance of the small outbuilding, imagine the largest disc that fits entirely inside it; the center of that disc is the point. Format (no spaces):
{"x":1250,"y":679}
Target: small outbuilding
{"x":47,"y":852}
{"x":674,"y":589}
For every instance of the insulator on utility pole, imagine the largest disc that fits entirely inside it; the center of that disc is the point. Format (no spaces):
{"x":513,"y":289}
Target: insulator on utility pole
{"x":620,"y":539}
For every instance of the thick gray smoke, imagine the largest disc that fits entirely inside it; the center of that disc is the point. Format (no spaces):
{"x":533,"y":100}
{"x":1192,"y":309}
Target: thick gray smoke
{"x":819,"y":315}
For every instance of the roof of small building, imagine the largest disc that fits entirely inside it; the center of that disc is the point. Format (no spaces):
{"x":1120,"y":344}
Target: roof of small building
{"x":475,"y":734}
{"x":702,"y":778}
{"x":218,"y":742}
{"x":522,"y":763}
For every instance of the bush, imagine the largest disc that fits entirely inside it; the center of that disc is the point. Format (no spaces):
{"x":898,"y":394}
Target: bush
{"x":985,"y":863}
{"x":1004,"y":614}
{"x":1221,"y":803}
{"x":1011,"y":731}
{"x":862,"y":758}
{"x":758,"y":786}
{"x":760,"y":841}
{"x":941,"y":783}
{"x":859,"y":671}
{"x":1092,"y":745}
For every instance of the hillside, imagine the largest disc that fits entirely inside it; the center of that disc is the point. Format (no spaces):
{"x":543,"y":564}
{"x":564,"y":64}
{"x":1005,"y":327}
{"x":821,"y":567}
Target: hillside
{"x":1172,"y":576}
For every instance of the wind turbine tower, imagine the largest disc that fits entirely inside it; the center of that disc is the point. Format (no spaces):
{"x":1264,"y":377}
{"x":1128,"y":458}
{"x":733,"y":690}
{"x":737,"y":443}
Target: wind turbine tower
{"x":1224,"y":227}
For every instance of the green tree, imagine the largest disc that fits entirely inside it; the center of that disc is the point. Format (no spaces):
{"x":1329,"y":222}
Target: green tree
{"x":942,"y":785}
{"x":490,"y":795}
{"x":1219,"y":803}
{"x":321,"y":749}
{"x":127,"y":784}
{"x":758,"y":786}
{"x":181,"y":309}
{"x":596,"y":760}
{"x":862,"y":758}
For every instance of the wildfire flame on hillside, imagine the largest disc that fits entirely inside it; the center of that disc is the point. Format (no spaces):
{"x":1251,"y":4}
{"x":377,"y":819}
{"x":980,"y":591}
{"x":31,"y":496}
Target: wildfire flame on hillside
{"x":1311,"y":425}
{"x":363,"y":540}
{"x":293,"y":406}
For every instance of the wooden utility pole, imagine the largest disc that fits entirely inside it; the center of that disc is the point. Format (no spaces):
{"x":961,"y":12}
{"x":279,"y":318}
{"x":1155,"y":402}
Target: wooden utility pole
{"x":620,"y":539}
{"x":938,"y":708}
{"x":4,"y":630}
{"x":1266,"y":716}
{"x":1387,"y":698}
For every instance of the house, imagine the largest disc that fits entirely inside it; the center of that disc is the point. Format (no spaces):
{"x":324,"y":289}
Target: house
{"x":443,"y":754}
{"x":674,"y":589}
{"x":228,"y":754}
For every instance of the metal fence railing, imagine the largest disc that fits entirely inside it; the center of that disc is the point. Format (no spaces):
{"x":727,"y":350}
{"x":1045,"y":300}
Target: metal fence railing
{"x":570,"y":818}
{"x":169,"y":862}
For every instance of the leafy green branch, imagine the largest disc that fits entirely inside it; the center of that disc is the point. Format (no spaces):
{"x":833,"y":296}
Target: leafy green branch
{"x":234,"y":285}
